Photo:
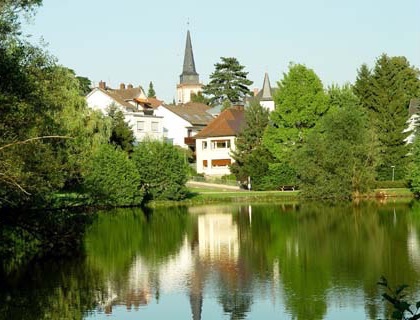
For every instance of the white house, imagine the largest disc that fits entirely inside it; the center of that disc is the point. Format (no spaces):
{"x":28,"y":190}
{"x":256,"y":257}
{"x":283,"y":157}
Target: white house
{"x":138,"y":111}
{"x":182,"y":122}
{"x":215,"y":143}
{"x":413,"y":121}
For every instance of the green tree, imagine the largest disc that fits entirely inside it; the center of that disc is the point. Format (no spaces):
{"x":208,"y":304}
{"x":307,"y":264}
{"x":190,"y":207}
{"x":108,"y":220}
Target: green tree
{"x":228,"y":82}
{"x":111,"y":178}
{"x":163,"y":170}
{"x":10,"y":14}
{"x":300,"y":103}
{"x":151,"y":92}
{"x":85,"y":85}
{"x":199,"y":98}
{"x":338,"y":158}
{"x":251,"y":157}
{"x":122,"y":135}
{"x":385,"y":92}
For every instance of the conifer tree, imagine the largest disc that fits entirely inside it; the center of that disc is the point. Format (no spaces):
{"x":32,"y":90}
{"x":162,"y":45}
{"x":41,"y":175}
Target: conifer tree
{"x":228,"y":82}
{"x":151,"y":92}
{"x":385,"y":93}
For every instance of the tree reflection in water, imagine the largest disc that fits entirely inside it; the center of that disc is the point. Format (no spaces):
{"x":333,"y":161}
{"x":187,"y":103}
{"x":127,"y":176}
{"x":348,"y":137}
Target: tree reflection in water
{"x":306,"y":260}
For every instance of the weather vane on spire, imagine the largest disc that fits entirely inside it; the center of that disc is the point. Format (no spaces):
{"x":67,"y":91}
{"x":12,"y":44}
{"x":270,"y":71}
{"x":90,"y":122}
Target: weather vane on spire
{"x":188,"y":23}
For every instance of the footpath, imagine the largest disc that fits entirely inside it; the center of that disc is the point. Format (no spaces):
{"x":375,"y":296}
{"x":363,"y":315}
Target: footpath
{"x":212,"y":185}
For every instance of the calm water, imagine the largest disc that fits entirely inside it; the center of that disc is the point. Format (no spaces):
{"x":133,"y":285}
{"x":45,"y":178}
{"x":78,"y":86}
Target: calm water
{"x":277,"y":261}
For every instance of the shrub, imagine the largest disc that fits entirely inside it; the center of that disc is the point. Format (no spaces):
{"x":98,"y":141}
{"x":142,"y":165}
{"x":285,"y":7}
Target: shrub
{"x":391,"y":184}
{"x":111,"y":178}
{"x":163,"y":170}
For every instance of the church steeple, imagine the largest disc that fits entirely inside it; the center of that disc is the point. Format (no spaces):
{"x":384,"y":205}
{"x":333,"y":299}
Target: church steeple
{"x":189,"y":75}
{"x":266,"y":90}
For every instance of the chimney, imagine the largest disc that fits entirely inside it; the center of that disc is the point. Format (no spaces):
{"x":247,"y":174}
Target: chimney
{"x":256,"y":90}
{"x":102,"y":85}
{"x":130,"y":86}
{"x":122,"y":86}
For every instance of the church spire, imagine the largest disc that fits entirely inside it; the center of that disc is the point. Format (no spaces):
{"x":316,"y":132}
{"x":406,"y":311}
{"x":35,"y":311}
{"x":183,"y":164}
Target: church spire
{"x":266,"y":90}
{"x":189,"y":75}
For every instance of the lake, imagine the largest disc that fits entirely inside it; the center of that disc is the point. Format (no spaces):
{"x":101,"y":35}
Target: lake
{"x":234,"y":261}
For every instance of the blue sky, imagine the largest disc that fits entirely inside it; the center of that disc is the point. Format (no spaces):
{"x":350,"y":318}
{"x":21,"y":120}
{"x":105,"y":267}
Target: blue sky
{"x":137,"y":42}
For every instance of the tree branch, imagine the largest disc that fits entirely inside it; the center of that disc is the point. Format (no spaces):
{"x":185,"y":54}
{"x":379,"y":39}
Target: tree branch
{"x":33,"y":139}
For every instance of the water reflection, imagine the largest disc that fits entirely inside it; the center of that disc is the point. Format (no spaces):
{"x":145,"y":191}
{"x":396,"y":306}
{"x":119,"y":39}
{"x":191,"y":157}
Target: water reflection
{"x":306,"y":261}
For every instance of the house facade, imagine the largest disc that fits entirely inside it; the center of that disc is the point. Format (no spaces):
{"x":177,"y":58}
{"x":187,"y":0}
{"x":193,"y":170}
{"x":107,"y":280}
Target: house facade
{"x":413,"y":120}
{"x":138,"y":112}
{"x":215,"y":143}
{"x":182,"y":122}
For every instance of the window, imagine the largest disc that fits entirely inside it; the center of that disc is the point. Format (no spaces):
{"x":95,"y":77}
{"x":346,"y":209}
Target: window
{"x":220,"y":144}
{"x":205,"y":163}
{"x":155,"y":126}
{"x":220,"y":162}
{"x":204,"y":144}
{"x":140,"y":125}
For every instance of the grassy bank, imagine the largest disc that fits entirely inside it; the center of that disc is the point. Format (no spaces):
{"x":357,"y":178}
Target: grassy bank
{"x":204,"y":195}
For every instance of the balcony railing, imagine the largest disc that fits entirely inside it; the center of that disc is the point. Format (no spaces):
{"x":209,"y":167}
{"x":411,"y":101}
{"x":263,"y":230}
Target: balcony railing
{"x":189,"y":141}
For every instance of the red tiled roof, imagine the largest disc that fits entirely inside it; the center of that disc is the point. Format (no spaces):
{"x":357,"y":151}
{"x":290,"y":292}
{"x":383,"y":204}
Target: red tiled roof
{"x":229,"y":123}
{"x":155,"y":102}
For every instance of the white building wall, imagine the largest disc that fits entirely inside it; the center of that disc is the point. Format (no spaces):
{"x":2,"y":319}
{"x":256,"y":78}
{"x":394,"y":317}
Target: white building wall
{"x":144,"y":126}
{"x":206,"y":152}
{"x":174,"y":127}
{"x":268,"y":104}
{"x":152,"y":126}
{"x":98,"y":100}
{"x":184,"y":91}
{"x":411,"y":127}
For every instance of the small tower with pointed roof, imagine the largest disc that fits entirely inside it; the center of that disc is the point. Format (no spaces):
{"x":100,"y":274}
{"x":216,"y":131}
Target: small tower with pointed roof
{"x":189,"y":80}
{"x":266,"y":98}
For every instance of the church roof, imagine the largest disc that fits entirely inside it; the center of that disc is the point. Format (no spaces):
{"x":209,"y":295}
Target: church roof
{"x":189,"y":63}
{"x":266,"y":90}
{"x":229,"y":123}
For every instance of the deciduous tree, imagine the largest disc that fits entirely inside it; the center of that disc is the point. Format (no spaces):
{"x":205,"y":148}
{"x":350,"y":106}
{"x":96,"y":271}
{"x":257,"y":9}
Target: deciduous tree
{"x":163,"y":170}
{"x":339,"y":157}
{"x":251,"y":157}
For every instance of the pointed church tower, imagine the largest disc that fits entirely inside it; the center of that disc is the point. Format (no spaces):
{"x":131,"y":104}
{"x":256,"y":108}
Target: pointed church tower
{"x":266,"y":99}
{"x":189,"y":80}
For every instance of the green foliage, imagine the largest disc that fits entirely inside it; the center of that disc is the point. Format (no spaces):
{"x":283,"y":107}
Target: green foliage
{"x":111,"y":178}
{"x":122,"y":135}
{"x":396,"y":297}
{"x":251,"y":157}
{"x":300,"y":102}
{"x":10,"y":12}
{"x":85,"y":85}
{"x":413,"y":176}
{"x":151,"y":92}
{"x":199,"y":98}
{"x":385,"y":93}
{"x":338,"y":158}
{"x":279,"y":174}
{"x":163,"y":170}
{"x":389,"y":184}
{"x":228,"y":82}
